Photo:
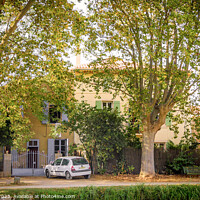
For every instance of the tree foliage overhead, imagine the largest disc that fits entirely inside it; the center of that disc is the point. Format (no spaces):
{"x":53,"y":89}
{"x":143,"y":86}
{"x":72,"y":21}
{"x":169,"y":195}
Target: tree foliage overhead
{"x":149,"y":53}
{"x":35,"y":38}
{"x":159,"y":40}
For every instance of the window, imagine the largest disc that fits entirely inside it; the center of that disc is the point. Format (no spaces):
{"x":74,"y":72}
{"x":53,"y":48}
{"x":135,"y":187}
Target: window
{"x":54,"y":114}
{"x":65,"y":162}
{"x":162,"y":145}
{"x":58,"y":161}
{"x":107,"y":105}
{"x":159,"y":145}
{"x":60,"y":147}
{"x":51,"y":114}
{"x":33,"y":143}
{"x":79,"y":161}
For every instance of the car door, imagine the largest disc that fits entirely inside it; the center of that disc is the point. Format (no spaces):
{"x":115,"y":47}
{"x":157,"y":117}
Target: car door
{"x":56,"y":167}
{"x":64,"y":167}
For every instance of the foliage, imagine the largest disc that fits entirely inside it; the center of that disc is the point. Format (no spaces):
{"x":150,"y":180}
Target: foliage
{"x":132,"y":139}
{"x":149,"y":54}
{"x":139,"y":192}
{"x":183,"y":145}
{"x":101,"y":131}
{"x":183,"y":159}
{"x":6,"y":135}
{"x":32,"y":59}
{"x":123,"y":168}
{"x":73,"y":148}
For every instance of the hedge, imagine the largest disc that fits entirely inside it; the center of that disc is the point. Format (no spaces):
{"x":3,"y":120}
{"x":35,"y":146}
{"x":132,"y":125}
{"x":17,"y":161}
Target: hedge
{"x":140,"y":192}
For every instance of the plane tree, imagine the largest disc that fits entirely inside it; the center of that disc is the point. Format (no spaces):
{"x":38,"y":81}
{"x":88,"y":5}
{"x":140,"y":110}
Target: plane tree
{"x":35,"y":37}
{"x":148,"y":52}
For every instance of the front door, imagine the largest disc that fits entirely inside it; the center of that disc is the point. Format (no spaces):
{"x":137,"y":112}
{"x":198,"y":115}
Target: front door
{"x":32,"y":157}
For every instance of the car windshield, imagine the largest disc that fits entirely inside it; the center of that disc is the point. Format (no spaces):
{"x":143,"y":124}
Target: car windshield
{"x":79,"y":161}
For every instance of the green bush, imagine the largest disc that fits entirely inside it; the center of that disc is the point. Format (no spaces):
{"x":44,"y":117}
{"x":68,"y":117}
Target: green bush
{"x":182,"y":160}
{"x":178,"y":192}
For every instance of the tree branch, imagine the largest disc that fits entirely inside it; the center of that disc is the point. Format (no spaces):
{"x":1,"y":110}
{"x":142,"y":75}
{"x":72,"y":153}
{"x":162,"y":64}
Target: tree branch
{"x":13,"y":28}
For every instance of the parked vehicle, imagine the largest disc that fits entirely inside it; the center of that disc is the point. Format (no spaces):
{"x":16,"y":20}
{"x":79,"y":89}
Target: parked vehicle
{"x":69,"y":167}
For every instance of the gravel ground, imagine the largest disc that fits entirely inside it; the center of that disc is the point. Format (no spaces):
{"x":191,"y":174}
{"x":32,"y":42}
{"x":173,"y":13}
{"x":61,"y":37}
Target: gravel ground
{"x":55,"y":182}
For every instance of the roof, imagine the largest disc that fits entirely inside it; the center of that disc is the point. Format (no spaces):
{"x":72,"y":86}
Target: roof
{"x":118,"y":65}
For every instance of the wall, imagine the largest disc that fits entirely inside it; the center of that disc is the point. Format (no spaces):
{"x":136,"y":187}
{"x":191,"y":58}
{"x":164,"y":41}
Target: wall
{"x":42,"y":132}
{"x":165,"y":134}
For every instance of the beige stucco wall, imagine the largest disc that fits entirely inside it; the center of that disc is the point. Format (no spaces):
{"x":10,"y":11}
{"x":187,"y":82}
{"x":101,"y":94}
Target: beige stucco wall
{"x":164,"y":135}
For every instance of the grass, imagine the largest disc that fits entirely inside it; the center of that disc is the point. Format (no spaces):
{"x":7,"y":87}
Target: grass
{"x":140,"y":192}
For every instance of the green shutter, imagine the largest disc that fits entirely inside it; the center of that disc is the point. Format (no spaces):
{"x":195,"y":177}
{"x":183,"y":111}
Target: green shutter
{"x":168,"y":121}
{"x":117,"y":105}
{"x":98,"y":104}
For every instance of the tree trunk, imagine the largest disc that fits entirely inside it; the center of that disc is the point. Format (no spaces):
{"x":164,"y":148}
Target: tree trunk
{"x":94,"y":161}
{"x":147,"y":160}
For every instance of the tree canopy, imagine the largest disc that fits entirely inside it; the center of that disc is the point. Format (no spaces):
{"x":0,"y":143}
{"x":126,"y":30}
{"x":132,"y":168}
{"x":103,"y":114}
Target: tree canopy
{"x":149,"y":53}
{"x":35,"y":38}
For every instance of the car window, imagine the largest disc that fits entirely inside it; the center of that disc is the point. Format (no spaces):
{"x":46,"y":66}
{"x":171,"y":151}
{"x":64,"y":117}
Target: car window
{"x":58,"y":161}
{"x":79,"y":161}
{"x":65,"y":162}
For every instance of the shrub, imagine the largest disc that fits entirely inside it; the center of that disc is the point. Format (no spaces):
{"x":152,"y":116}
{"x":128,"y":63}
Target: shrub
{"x":176,"y":165}
{"x":139,"y":192}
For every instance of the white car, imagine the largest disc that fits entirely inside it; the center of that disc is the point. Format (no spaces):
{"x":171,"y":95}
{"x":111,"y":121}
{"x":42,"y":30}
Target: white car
{"x":68,"y":167}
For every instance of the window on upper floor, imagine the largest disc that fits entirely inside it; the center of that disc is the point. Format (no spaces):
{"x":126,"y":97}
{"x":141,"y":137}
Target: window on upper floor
{"x":108,"y":104}
{"x":54,"y":114}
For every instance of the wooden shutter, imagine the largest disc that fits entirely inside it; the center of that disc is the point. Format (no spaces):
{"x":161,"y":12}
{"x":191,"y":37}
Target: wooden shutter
{"x":64,"y":115}
{"x":117,"y":105}
{"x":67,"y":147}
{"x":51,"y":150}
{"x":98,"y":104}
{"x":45,"y":112}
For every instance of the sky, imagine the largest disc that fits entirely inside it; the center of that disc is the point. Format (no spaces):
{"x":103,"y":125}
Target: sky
{"x":81,"y":6}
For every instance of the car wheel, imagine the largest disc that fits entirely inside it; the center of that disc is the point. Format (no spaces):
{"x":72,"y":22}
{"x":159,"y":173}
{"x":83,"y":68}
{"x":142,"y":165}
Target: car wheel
{"x":87,"y":176}
{"x":48,"y":175}
{"x":68,"y":176}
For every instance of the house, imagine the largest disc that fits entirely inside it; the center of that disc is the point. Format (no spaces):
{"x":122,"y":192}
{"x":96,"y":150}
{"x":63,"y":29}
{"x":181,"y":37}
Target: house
{"x":106,"y":100}
{"x":42,"y":148}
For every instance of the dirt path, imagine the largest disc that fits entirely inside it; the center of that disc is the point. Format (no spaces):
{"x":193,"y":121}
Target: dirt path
{"x":42,"y":182}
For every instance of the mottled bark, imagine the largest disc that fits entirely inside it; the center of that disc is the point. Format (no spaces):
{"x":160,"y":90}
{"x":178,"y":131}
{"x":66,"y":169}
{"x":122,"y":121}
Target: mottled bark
{"x":147,"y":160}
